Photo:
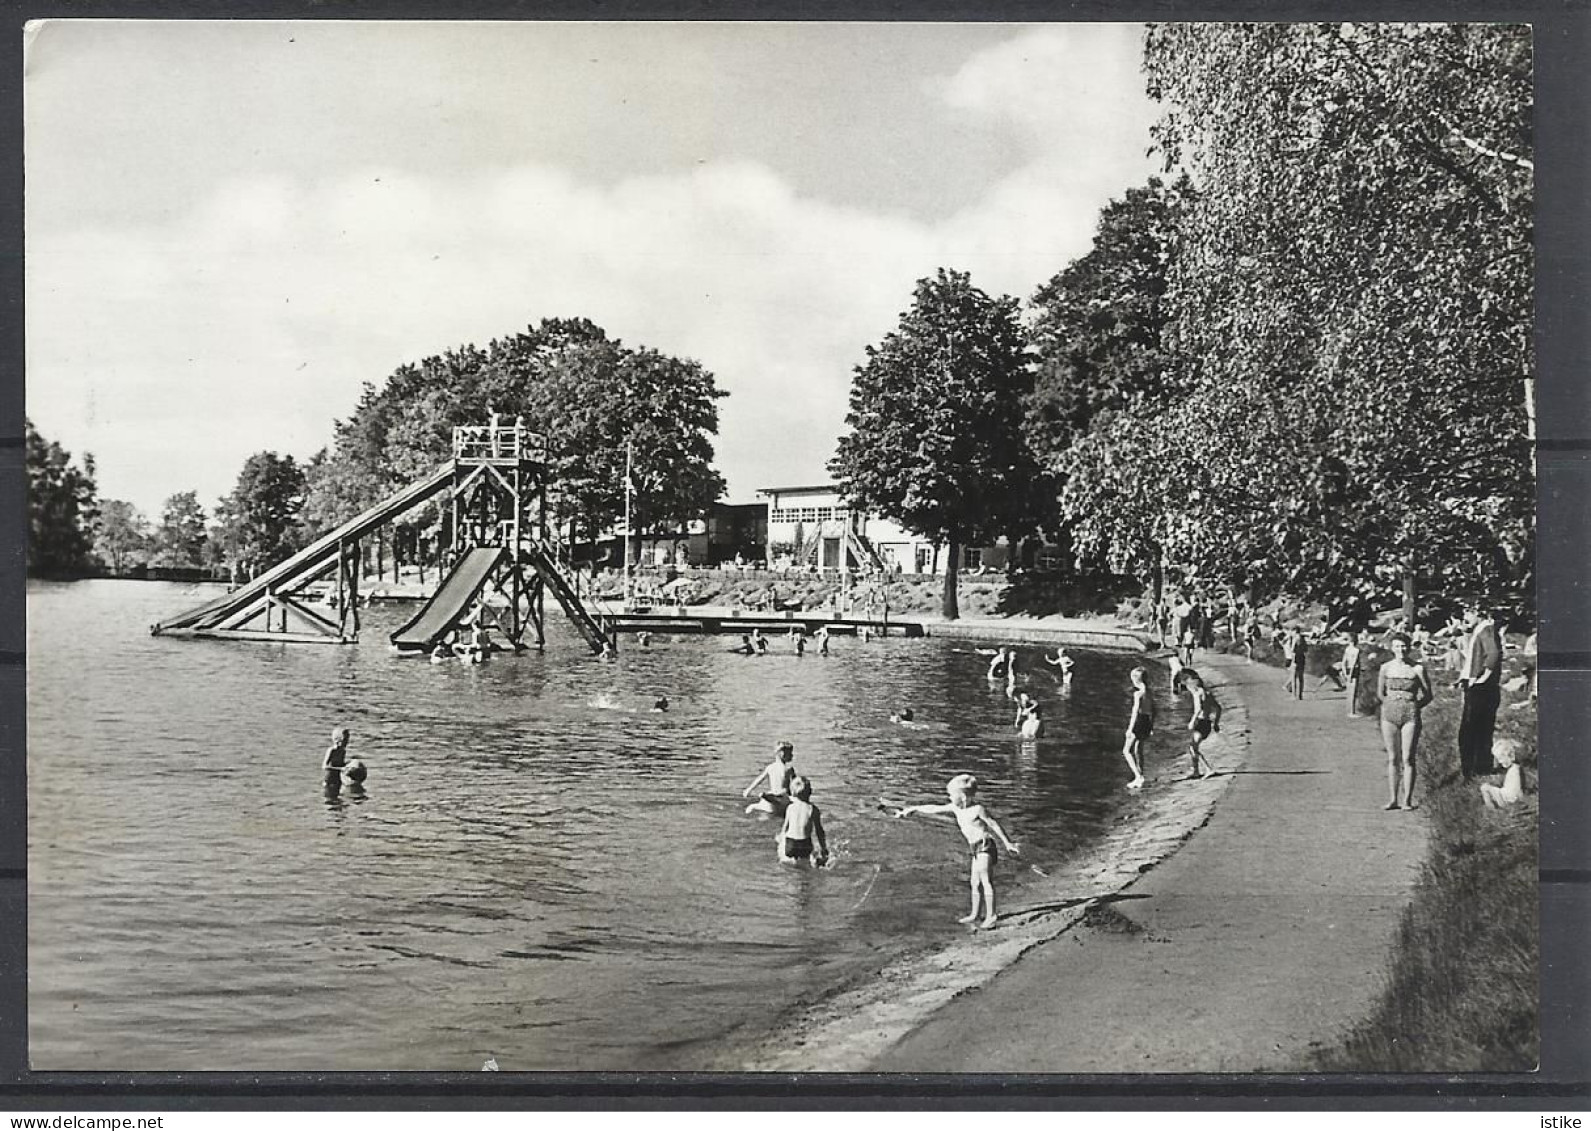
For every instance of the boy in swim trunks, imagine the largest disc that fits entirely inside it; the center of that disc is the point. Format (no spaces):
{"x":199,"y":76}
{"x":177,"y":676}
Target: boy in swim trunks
{"x":1139,"y":724}
{"x":981,"y":830}
{"x":803,"y":825}
{"x":778,"y":774}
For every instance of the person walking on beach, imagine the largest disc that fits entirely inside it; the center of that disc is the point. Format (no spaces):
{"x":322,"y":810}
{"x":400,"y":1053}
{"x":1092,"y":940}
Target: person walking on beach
{"x":778,"y":774}
{"x":980,"y":828}
{"x":1296,"y":652}
{"x":1206,"y":717}
{"x":1139,"y":723}
{"x":1479,"y":677}
{"x":803,"y":828}
{"x":1352,"y":665}
{"x":1404,"y":690}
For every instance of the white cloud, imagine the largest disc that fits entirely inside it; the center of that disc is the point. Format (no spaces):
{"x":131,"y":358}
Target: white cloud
{"x":174,"y":350}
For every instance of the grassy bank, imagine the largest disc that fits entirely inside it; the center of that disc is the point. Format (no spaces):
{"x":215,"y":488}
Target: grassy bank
{"x":1463,"y":990}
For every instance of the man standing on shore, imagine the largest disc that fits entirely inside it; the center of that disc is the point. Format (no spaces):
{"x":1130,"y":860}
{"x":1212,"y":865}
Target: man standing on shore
{"x":1479,"y":677}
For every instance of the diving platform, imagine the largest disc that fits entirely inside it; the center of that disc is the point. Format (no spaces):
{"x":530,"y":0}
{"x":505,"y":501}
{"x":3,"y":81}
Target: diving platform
{"x":493,"y":500}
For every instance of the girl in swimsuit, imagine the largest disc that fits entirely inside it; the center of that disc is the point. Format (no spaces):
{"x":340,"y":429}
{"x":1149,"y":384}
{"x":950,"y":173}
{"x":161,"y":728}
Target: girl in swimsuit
{"x":1404,"y":689}
{"x":1139,"y":724}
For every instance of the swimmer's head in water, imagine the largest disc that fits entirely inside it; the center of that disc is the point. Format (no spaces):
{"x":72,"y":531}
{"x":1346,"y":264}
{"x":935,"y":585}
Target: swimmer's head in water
{"x":962,"y":788}
{"x":339,"y":736}
{"x":660,"y":703}
{"x":906,"y":714}
{"x":800,"y":788}
{"x":786,"y":751}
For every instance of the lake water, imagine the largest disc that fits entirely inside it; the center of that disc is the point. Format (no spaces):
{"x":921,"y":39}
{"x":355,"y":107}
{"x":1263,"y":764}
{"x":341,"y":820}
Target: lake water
{"x":540,"y":870}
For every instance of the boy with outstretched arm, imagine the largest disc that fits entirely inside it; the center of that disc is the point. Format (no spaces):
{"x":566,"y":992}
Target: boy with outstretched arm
{"x":777,"y":773}
{"x":981,"y":830}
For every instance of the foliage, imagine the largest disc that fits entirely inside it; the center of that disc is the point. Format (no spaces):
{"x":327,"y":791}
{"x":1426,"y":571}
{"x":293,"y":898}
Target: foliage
{"x":121,"y":535}
{"x":180,"y":539}
{"x":1097,"y":325}
{"x":936,"y":439}
{"x":62,"y":508}
{"x":588,"y":394}
{"x":1350,"y":304}
{"x":1105,"y":377}
{"x":259,"y":520}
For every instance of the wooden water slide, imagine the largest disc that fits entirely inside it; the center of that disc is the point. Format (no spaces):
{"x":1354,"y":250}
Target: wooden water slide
{"x":228,"y":615}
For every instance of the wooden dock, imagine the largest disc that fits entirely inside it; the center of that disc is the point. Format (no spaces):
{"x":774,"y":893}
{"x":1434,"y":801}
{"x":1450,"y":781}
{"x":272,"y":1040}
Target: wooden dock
{"x":717,"y":621}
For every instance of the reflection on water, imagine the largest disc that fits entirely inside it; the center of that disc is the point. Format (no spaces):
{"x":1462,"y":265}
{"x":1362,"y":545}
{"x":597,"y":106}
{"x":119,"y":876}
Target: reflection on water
{"x":540,"y":868}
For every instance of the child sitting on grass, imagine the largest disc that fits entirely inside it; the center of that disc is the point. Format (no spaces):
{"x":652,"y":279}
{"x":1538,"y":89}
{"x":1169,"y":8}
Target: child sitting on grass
{"x":980,"y":828}
{"x":1505,"y":752}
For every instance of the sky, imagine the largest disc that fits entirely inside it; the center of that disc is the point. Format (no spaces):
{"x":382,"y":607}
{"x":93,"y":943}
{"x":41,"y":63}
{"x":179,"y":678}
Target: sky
{"x":232,"y":226}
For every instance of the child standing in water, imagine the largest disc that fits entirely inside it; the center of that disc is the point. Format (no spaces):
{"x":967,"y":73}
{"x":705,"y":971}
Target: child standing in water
{"x":778,"y":774}
{"x":1029,"y":716}
{"x":1139,"y":723}
{"x":336,"y":759}
{"x":803,"y":825}
{"x":981,"y":830}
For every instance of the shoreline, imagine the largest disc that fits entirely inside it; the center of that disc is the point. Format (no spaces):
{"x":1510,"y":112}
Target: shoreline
{"x":848,"y":1029}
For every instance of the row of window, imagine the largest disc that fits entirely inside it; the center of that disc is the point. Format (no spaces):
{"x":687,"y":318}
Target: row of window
{"x":808,"y":514}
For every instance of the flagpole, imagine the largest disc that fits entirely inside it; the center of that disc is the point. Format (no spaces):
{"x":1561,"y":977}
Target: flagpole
{"x":629,"y":502}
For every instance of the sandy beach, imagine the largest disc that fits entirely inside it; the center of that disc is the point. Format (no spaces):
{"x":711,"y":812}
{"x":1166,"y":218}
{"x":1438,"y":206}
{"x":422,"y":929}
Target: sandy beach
{"x":1229,"y":925}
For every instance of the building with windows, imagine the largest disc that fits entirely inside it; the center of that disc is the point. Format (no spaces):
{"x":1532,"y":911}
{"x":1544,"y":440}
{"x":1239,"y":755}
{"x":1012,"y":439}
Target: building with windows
{"x":815,"y":528}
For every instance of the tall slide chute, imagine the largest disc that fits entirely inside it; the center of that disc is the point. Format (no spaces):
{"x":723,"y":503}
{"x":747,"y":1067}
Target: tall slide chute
{"x":451,"y":601}
{"x":231,"y":614}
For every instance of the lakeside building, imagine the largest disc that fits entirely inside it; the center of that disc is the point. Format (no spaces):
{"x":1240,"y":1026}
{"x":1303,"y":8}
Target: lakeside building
{"x":727,"y":533}
{"x":814,"y":527}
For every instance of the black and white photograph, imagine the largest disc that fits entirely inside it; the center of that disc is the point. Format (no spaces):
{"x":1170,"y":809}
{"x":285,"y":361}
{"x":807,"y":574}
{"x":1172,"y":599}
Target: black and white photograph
{"x":781,"y":547}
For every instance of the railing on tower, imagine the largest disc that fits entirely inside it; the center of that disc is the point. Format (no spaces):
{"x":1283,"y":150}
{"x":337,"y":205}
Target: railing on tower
{"x":503,"y":444}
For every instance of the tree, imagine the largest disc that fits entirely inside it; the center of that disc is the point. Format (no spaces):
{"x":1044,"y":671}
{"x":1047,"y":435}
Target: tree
{"x":1352,"y":300}
{"x":1098,"y":325}
{"x":1104,"y":377}
{"x":121,"y":536}
{"x":180,"y":538}
{"x":260,"y":516}
{"x":588,"y":394}
{"x":936,"y":439}
{"x":62,"y":508}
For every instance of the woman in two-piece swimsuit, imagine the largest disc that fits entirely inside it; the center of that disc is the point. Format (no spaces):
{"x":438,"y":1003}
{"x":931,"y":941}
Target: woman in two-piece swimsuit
{"x":1404,"y":689}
